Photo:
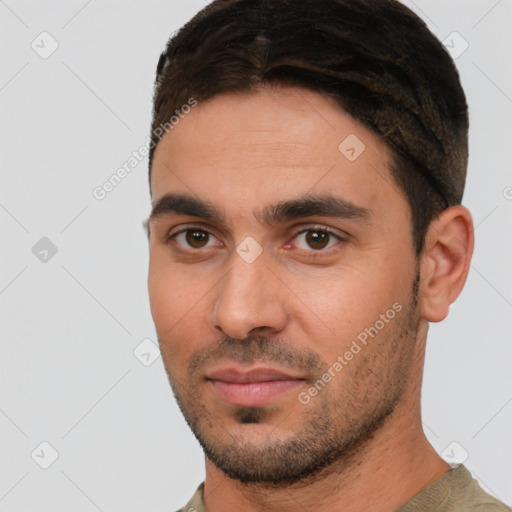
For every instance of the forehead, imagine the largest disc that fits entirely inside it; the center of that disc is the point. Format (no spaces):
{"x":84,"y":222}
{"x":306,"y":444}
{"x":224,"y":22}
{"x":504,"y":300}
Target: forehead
{"x":245,"y":149}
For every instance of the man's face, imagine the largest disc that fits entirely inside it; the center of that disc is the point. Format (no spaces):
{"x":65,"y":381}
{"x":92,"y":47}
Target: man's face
{"x":287,"y":331}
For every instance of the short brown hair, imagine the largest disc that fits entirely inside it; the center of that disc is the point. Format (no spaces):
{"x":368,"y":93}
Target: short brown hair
{"x":376,"y":58}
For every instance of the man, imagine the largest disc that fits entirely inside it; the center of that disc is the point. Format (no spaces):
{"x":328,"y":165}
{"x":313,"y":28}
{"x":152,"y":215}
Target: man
{"x":308,"y":165}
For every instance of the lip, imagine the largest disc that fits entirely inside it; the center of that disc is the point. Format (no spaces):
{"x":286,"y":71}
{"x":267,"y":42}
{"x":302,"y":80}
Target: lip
{"x":251,"y":388}
{"x":234,"y":374}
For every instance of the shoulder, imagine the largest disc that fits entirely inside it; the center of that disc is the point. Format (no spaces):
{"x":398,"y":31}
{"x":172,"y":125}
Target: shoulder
{"x":196,"y":503}
{"x":455,"y":491}
{"x":472,"y":496}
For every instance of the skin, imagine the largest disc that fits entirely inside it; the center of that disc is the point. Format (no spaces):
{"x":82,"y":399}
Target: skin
{"x":242,"y":152}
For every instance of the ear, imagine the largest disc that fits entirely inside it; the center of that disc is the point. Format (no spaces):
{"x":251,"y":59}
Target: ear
{"x":445,"y":261}
{"x":145,"y":227}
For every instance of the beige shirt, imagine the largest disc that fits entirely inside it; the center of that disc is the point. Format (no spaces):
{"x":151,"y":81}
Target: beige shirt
{"x":456,"y":491}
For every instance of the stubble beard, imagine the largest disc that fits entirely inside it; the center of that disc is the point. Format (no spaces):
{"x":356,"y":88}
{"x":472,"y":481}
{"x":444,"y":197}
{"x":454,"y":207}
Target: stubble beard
{"x":341,"y":421}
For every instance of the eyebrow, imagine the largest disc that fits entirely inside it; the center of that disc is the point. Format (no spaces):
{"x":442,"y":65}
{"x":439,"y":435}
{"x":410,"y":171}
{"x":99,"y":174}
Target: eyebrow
{"x":305,"y":206}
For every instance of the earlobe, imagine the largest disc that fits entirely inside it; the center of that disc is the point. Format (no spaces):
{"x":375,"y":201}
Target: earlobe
{"x":445,"y":261}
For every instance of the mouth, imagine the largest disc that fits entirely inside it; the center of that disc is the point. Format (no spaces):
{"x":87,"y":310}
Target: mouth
{"x":252,"y":388}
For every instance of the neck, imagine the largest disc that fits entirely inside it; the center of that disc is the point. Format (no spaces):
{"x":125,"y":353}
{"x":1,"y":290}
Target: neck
{"x":394,"y":466}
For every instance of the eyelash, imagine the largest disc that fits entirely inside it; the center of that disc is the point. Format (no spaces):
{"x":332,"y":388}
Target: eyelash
{"x":314,"y":253}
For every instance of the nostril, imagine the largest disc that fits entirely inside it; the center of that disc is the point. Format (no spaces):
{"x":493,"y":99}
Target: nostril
{"x":259,"y":328}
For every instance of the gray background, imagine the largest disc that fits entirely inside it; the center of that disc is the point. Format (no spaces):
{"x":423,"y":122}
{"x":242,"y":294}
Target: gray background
{"x":72,"y":321}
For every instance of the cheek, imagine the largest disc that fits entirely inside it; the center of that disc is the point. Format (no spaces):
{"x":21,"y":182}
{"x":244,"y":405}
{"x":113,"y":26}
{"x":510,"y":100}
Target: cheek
{"x":179,"y":303}
{"x":162,"y":296}
{"x":169,"y":315}
{"x":167,"y":288}
{"x":345,"y":302}
{"x":169,"y":299}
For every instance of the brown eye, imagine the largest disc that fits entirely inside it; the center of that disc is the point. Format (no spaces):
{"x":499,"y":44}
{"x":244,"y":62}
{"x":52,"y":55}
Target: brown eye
{"x":196,"y":238}
{"x":317,"y":239}
{"x":193,"y":238}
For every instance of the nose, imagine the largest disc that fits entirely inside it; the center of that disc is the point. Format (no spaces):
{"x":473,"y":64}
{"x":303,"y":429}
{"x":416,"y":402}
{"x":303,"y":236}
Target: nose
{"x":249,"y":297}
